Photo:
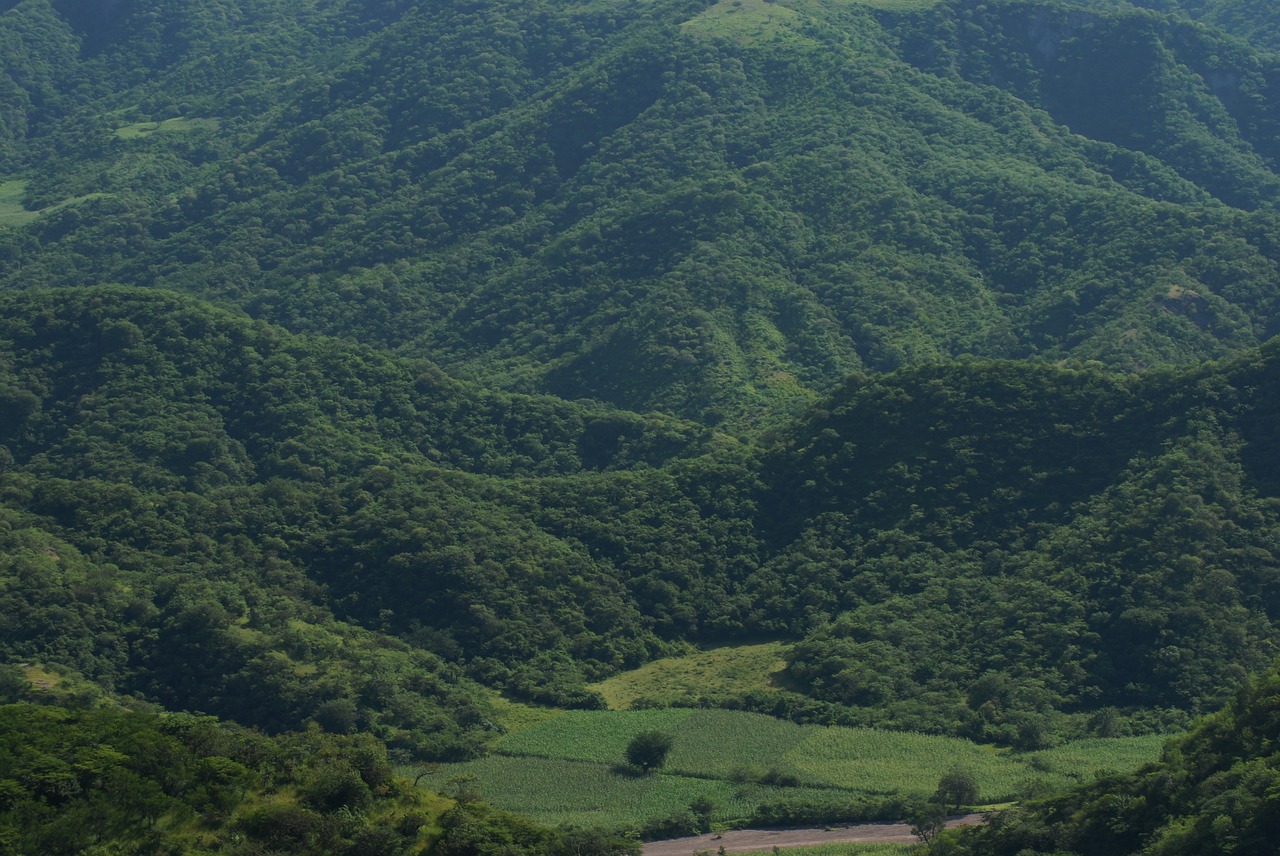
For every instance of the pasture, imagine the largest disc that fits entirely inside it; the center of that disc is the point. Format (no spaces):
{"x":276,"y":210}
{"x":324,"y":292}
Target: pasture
{"x":728,"y":671}
{"x":568,"y":768}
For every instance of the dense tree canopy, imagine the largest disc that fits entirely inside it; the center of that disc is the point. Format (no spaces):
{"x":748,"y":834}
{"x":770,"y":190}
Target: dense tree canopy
{"x":1214,"y":791}
{"x":359,"y":360}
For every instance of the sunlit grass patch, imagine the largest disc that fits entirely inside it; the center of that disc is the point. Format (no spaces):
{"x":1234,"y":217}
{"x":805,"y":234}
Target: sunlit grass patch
{"x":899,"y":5}
{"x":891,"y":762}
{"x":853,"y":850}
{"x":1088,"y":757}
{"x":729,"y":671}
{"x":742,"y":20}
{"x":589,"y":736}
{"x":582,"y":793}
{"x":514,"y":716}
{"x":12,"y":212}
{"x":139,"y":130}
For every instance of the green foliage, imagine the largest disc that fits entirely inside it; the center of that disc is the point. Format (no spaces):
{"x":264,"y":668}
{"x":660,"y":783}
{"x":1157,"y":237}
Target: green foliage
{"x":753,"y":769}
{"x":723,"y":672}
{"x":524,"y":373}
{"x":1212,"y":792}
{"x":356,"y":531}
{"x":957,"y":788}
{"x":140,"y":781}
{"x":664,"y":205}
{"x":648,"y":750}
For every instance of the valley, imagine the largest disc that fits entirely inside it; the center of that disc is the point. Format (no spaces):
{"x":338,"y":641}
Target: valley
{"x":406,"y":406}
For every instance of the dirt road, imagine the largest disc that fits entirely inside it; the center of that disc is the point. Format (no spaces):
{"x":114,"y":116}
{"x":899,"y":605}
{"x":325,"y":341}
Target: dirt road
{"x":741,"y":840}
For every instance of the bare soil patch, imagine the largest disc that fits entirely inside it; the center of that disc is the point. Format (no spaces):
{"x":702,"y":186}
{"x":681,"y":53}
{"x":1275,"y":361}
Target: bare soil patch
{"x":744,"y":840}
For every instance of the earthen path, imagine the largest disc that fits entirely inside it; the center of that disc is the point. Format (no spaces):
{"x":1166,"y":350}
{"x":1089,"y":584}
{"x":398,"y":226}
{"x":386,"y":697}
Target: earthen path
{"x":743,"y":840}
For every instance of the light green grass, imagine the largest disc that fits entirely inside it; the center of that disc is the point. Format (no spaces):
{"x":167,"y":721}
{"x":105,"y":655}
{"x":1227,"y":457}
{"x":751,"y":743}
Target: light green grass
{"x":729,"y":671}
{"x":853,"y":850}
{"x":890,"y":762}
{"x":582,"y":793}
{"x":735,"y":745}
{"x":743,"y":20}
{"x":12,"y":213}
{"x":579,"y":735}
{"x":140,"y":130}
{"x":515,"y":716}
{"x":899,"y":5}
{"x":1084,"y":758}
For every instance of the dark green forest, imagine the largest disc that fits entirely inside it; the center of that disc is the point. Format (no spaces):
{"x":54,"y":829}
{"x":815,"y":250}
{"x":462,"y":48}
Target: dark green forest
{"x":1214,"y":791}
{"x":359,"y":360}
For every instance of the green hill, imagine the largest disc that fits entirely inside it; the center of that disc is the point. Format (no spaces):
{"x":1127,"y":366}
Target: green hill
{"x":1006,"y":551}
{"x":1214,"y":791}
{"x":359,"y":361}
{"x":710,"y":210}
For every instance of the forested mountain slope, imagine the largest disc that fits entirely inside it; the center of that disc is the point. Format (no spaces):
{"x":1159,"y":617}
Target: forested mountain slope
{"x":1007,"y":551}
{"x":1215,"y":791}
{"x":715,"y":210}
{"x":1254,"y":20}
{"x":358,"y":360}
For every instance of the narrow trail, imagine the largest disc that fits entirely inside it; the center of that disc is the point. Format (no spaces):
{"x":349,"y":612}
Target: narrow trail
{"x":743,"y":840}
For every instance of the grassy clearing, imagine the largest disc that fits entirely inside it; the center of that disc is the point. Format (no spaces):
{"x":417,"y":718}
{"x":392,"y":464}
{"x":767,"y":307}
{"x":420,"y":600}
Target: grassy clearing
{"x":12,"y":213}
{"x":890,"y":762}
{"x":728,"y":671}
{"x":564,"y":767}
{"x":582,"y":793}
{"x":140,"y":130}
{"x":41,"y":678}
{"x":515,"y":717}
{"x":578,"y":735}
{"x":1085,"y":758}
{"x":899,"y":5}
{"x":742,"y":20}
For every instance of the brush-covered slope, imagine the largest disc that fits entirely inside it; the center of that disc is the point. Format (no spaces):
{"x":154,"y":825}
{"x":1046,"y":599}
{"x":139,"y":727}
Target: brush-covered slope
{"x":1045,"y":539}
{"x":715,"y":210}
{"x":198,"y":504}
{"x":179,"y":484}
{"x":1254,"y":20}
{"x":82,"y":780}
{"x":1215,"y":791}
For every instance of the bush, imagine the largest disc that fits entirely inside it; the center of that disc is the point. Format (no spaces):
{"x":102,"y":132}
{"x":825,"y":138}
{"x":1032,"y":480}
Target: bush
{"x":648,"y":750}
{"x":332,"y":786}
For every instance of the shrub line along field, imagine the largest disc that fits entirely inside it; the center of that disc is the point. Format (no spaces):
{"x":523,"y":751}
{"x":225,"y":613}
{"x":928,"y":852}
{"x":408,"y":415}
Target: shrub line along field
{"x":569,"y":768}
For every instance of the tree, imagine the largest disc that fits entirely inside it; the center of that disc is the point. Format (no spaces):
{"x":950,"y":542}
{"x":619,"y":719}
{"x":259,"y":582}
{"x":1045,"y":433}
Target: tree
{"x":648,"y":750}
{"x":957,"y":788}
{"x":927,"y":821}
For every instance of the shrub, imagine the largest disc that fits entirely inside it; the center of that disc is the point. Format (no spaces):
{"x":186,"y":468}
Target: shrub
{"x":648,"y":750}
